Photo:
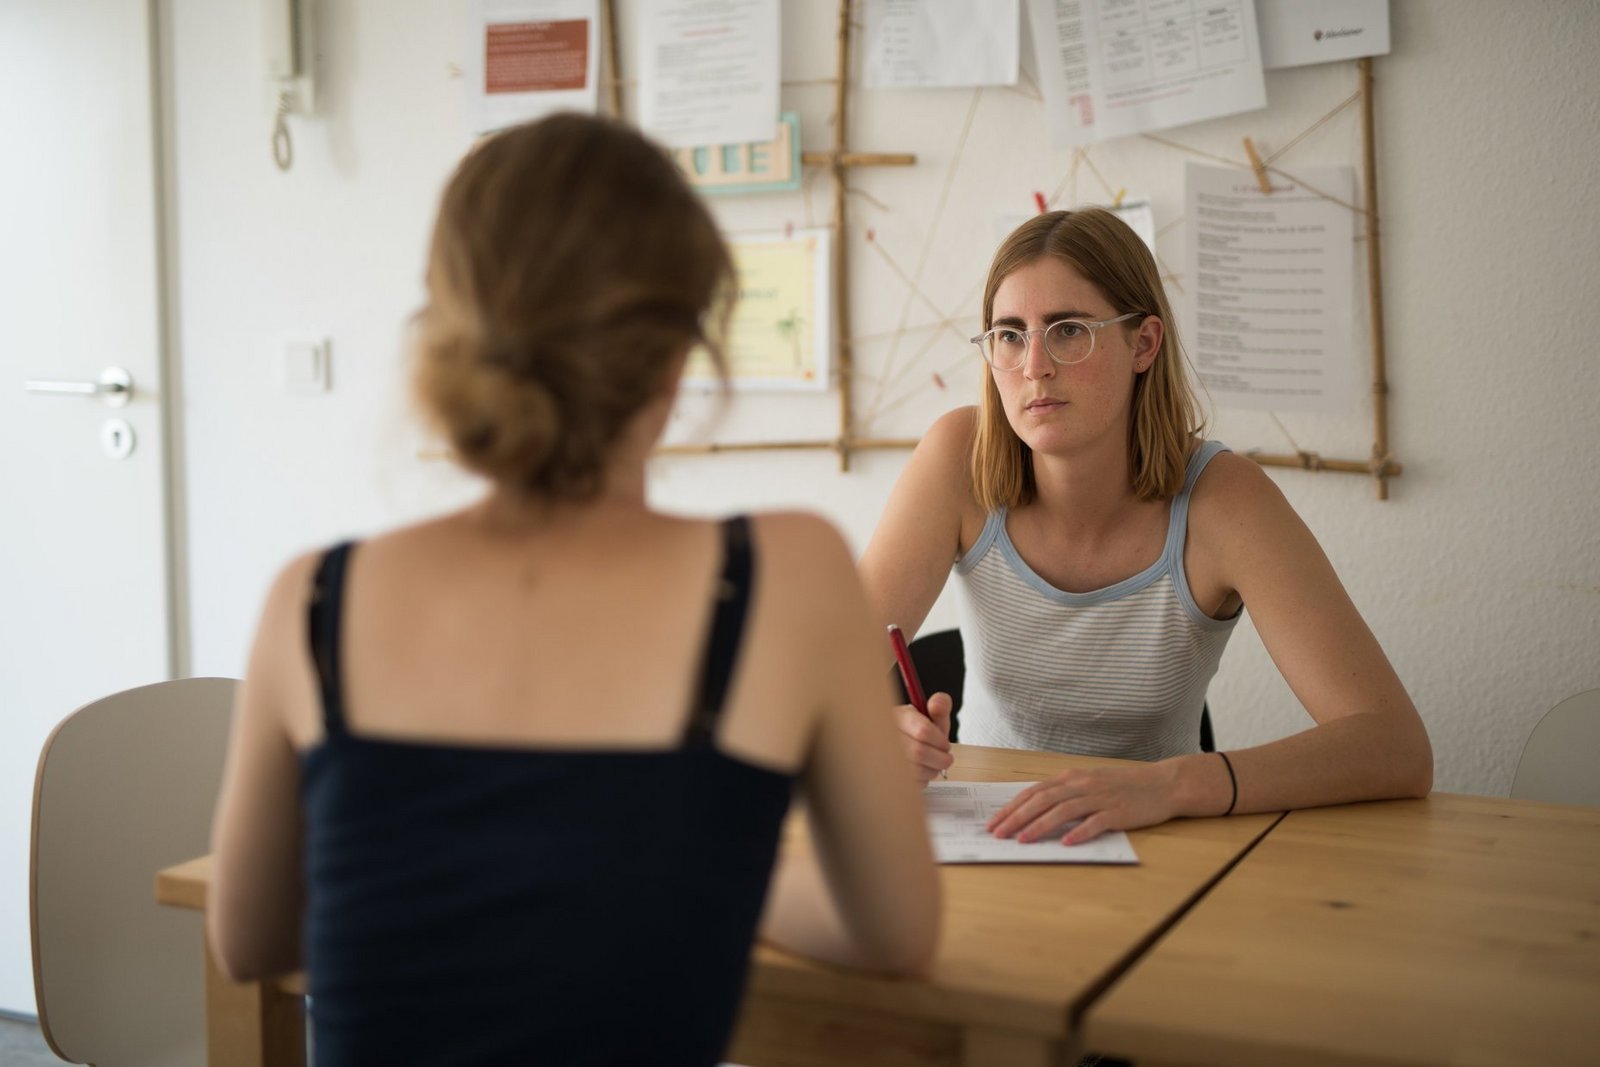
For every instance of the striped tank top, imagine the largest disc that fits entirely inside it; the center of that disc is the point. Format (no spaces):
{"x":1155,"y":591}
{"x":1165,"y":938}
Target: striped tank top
{"x":1120,"y":671}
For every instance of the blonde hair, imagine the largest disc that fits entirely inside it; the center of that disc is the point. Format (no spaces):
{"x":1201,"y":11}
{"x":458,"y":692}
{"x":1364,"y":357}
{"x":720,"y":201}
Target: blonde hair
{"x":570,"y":264}
{"x":1166,"y":414}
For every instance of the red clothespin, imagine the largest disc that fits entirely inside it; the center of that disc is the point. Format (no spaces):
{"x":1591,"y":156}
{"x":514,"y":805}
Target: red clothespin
{"x":938,"y":381}
{"x":1038,"y":199}
{"x":872,"y":235}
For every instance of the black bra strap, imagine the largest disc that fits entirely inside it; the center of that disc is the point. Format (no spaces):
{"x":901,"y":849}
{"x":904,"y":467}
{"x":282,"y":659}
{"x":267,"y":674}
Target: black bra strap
{"x":327,"y":608}
{"x":727,"y":628}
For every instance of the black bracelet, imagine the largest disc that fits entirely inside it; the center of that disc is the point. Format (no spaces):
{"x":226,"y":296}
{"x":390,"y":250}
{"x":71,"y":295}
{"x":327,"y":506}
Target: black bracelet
{"x":1234,"y":782}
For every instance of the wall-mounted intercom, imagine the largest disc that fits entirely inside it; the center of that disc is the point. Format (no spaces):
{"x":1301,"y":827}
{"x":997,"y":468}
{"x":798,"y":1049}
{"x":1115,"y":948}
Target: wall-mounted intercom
{"x":288,"y":48}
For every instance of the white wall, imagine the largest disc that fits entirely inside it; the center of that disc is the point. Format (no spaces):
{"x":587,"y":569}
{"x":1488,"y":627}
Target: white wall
{"x":1481,"y":574}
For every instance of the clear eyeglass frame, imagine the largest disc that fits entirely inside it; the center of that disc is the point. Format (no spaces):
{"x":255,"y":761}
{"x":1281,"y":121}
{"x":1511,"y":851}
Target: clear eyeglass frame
{"x":985,"y":340}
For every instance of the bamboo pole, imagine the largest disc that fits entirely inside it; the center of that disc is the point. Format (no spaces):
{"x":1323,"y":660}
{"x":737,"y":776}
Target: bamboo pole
{"x":841,"y":277}
{"x":1310,"y":461}
{"x":1380,"y":380}
{"x":858,"y":159}
{"x":856,"y":444}
{"x":608,"y":30}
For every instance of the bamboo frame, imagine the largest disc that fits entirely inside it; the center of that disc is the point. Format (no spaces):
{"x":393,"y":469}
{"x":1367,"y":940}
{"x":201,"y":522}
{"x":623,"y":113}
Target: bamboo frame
{"x":1380,"y":467}
{"x":839,"y":159}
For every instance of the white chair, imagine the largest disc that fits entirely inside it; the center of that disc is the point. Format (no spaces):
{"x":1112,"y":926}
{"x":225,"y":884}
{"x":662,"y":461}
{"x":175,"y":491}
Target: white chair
{"x":1560,"y":763}
{"x":125,"y":787}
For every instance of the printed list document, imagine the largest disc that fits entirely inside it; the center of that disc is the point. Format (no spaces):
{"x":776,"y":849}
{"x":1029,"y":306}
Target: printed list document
{"x":957,"y":812}
{"x":1271,"y":298}
{"x":919,"y":44}
{"x":1111,"y":68}
{"x":528,"y":58}
{"x":708,"y":71}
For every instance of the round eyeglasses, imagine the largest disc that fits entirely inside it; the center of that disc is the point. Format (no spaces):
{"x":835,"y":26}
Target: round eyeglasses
{"x":1066,"y":342}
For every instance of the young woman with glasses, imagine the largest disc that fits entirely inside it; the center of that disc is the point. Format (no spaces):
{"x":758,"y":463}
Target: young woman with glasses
{"x":1104,"y":553}
{"x":508,"y":783}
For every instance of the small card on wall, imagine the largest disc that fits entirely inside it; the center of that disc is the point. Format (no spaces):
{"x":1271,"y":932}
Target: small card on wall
{"x":759,"y":167}
{"x":1295,"y":33}
{"x":529,"y":58}
{"x":781,"y":337}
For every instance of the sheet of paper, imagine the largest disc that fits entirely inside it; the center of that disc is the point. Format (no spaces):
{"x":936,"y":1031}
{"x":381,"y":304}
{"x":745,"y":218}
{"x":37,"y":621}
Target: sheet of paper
{"x":708,"y":71}
{"x":528,"y":58}
{"x":782,"y":329}
{"x":1270,"y":302}
{"x":917,"y":44}
{"x":957,"y":812}
{"x":1297,"y":32}
{"x":1141,"y":219}
{"x":1111,"y":68}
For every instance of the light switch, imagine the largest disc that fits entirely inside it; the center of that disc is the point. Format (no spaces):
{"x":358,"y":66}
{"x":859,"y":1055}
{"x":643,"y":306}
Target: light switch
{"x":305,"y":366}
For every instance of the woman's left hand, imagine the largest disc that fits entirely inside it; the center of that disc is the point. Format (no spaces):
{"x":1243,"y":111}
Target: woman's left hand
{"x":1103,"y":798}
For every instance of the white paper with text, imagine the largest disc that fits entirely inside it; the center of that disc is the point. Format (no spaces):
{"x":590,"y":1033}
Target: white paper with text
{"x":708,"y":71}
{"x":918,"y":44}
{"x":1270,"y":297}
{"x":529,"y":58}
{"x":959,"y":811}
{"x":1112,"y":68}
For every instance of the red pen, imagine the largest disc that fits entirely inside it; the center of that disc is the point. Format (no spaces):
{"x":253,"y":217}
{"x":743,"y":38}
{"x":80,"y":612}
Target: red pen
{"x":908,"y":671}
{"x":908,"y":675}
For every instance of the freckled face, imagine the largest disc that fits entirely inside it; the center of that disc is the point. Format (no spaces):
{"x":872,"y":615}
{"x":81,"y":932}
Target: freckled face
{"x":1053,"y":407}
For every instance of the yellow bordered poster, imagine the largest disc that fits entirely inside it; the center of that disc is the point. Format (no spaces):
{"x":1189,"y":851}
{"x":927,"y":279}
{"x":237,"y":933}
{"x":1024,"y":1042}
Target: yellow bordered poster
{"x":781,"y":335}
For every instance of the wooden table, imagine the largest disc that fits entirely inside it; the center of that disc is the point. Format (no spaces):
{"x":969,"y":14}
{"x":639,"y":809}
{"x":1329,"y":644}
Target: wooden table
{"x":1451,"y":930}
{"x":1025,"y":949}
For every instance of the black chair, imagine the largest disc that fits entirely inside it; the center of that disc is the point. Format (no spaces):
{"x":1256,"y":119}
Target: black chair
{"x":942,"y":666}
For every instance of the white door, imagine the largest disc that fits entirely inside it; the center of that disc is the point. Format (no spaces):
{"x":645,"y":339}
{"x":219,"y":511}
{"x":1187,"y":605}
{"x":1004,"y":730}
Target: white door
{"x":83,"y":556}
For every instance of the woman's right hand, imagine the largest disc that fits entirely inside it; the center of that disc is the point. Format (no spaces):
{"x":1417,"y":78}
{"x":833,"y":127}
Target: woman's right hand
{"x":926,"y":741}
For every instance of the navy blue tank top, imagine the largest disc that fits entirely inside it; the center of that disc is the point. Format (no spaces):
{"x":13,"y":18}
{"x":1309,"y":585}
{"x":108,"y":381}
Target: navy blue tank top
{"x":507,"y":905}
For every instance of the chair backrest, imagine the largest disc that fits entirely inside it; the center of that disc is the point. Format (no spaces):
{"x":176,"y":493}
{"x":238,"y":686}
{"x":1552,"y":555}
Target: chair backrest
{"x":1561,"y":761}
{"x":942,"y":667}
{"x":125,"y":787}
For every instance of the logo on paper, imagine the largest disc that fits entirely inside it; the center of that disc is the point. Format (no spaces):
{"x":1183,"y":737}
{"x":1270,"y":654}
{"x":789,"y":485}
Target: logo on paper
{"x":1351,"y":31}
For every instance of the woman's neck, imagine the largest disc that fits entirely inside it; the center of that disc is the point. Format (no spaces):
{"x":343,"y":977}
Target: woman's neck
{"x":1092,"y":489}
{"x":621,"y":495}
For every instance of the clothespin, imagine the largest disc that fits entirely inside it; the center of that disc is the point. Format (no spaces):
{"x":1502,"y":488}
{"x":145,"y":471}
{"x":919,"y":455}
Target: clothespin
{"x":1257,"y":166}
{"x":938,"y":381}
{"x":872,"y":235}
{"x":1116,"y":201}
{"x":1039,"y":202}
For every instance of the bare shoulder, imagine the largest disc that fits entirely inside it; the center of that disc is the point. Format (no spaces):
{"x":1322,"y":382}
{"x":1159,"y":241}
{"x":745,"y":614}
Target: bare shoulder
{"x":951,"y":436}
{"x":938,"y":477}
{"x":291,"y":589}
{"x":1234,"y":494}
{"x":801,"y":544}
{"x":1240,"y":520}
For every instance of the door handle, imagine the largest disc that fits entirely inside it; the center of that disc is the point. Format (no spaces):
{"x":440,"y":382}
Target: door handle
{"x":114,"y":384}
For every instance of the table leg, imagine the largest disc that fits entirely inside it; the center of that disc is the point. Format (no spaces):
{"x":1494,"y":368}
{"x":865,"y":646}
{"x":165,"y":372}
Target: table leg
{"x":252,"y":1024}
